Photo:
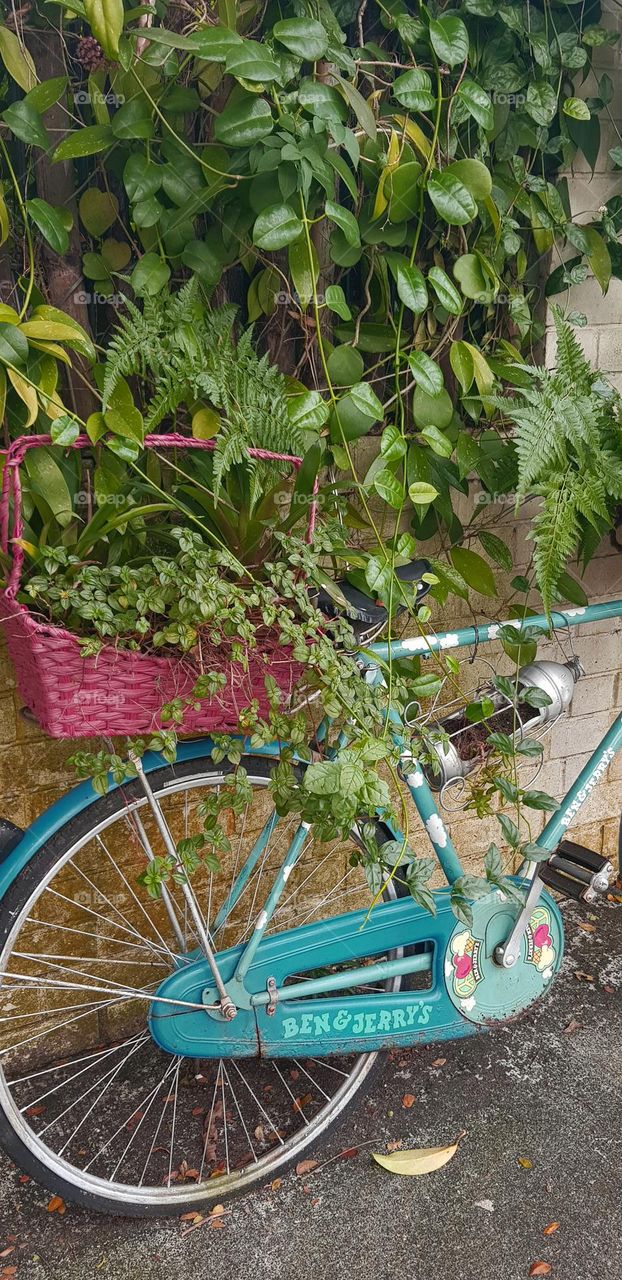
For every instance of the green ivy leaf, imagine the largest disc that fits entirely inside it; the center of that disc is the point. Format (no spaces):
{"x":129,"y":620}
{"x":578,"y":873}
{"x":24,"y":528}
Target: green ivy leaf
{"x":252,"y":61}
{"x":473,"y":175}
{"x":18,"y":61}
{"x":410,"y":284}
{"x":345,"y":220}
{"x":335,"y":300}
{"x":244,"y":122}
{"x":64,"y":430}
{"x":52,"y":223}
{"x":451,"y":199}
{"x":366,"y":401}
{"x":84,"y":142}
{"x":413,"y":90}
{"x":422,"y":494}
{"x":450,"y":40}
{"x":105,"y":18}
{"x":149,"y":275}
{"x":541,"y":102}
{"x":389,"y":488}
{"x":25,"y":123}
{"x":540,"y":800}
{"x":392,"y":444}
{"x":474,"y":569}
{"x":13,"y":344}
{"x":345,"y":366}
{"x":142,"y":178}
{"x":133,"y":120}
{"x":496,"y":548}
{"x":427,"y":372}
{"x":439,"y":443}
{"x":304,"y":37}
{"x":445,"y":290}
{"x":477,"y":102}
{"x":276,"y":227}
{"x":576,"y":108}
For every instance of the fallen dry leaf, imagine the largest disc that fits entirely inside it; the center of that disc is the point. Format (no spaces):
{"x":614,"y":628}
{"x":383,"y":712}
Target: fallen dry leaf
{"x":439,"y":1062}
{"x":485,"y":1204}
{"x":583,"y":977}
{"x":215,"y":1222}
{"x":408,"y":1100}
{"x":396,"y":1145}
{"x":587,"y":928}
{"x":192,"y":1216}
{"x":416,"y":1161}
{"x":217,"y":1211}
{"x":276,"y":1183}
{"x":305,"y":1166}
{"x":7,"y":1272}
{"x":5,"y":1252}
{"x":540,"y":1269}
{"x":571,"y":1027}
{"x":551,"y":1228}
{"x":348,"y":1153}
{"x":609,"y":989}
{"x":523,"y":1162}
{"x":56,"y":1205}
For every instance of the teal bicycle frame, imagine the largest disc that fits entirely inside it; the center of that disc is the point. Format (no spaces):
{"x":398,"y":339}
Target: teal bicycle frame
{"x":275,"y":1014}
{"x":279,"y":1013}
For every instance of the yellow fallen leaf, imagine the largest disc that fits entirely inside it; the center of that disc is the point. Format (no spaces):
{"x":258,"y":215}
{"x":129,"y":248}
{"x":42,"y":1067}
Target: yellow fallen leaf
{"x":418,"y":1160}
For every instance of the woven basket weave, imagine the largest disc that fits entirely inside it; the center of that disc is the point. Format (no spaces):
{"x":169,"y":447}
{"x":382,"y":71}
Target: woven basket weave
{"x":118,"y":691}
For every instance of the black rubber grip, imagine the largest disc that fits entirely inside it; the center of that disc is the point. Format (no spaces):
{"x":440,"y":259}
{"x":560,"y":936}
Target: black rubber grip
{"x":582,"y":856}
{"x":562,"y":884}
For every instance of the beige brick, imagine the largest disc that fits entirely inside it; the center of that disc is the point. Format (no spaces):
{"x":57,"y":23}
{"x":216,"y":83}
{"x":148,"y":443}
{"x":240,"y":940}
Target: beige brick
{"x":572,"y":737}
{"x":593,"y":694}
{"x":610,"y":348}
{"x":610,"y":845}
{"x":589,"y":299}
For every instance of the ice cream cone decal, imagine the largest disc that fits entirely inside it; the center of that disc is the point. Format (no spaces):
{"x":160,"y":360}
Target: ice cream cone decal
{"x":540,"y":949}
{"x":465,"y":964}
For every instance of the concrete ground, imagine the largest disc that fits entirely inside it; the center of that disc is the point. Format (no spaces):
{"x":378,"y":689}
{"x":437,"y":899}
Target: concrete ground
{"x":541,"y":1105}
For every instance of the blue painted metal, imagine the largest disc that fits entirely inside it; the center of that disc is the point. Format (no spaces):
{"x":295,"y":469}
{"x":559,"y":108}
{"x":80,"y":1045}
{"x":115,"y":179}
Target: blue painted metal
{"x":486,"y":992}
{"x":465,"y":636}
{"x":341,"y":1024}
{"x":246,"y":871}
{"x":588,"y":779}
{"x":265,"y":915}
{"x":438,"y":834}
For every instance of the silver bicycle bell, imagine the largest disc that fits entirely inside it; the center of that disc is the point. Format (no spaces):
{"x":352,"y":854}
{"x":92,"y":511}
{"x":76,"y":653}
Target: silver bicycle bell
{"x":458,"y":746}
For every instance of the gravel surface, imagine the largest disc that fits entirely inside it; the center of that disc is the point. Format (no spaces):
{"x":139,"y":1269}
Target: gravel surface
{"x":540,"y":1103}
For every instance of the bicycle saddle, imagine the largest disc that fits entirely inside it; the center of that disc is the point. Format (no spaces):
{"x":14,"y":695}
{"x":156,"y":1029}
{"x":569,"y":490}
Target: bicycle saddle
{"x":363,"y":612}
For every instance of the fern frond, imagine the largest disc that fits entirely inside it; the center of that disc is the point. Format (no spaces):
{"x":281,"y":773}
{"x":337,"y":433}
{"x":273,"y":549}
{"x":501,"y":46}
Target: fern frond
{"x":555,"y":533}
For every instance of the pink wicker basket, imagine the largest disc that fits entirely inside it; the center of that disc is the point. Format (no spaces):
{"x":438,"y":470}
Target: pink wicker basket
{"x":119,"y":692}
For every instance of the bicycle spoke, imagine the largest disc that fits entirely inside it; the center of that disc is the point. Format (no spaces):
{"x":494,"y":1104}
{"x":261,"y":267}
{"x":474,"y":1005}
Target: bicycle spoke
{"x":79,"y":987}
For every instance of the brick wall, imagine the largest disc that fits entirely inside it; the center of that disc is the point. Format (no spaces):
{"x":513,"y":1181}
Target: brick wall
{"x":34,"y":771}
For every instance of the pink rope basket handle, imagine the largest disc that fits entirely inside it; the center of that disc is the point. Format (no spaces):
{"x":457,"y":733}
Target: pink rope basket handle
{"x":12,"y":486}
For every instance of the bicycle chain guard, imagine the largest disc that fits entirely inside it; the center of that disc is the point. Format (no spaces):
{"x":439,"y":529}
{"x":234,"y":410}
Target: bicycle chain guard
{"x":468,"y":989}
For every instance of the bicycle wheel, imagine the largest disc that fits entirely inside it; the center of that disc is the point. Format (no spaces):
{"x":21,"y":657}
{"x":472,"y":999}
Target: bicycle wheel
{"x":89,"y":1105}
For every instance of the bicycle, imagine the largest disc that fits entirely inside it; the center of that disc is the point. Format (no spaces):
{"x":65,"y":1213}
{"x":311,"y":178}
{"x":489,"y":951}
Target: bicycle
{"x":158,"y":1055}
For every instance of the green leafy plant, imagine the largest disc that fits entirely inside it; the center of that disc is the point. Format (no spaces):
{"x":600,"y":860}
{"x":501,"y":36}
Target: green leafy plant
{"x":568,"y":443}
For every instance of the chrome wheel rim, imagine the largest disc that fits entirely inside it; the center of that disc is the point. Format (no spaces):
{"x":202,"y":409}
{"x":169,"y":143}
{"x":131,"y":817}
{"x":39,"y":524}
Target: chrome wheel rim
{"x":153,"y":1113}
